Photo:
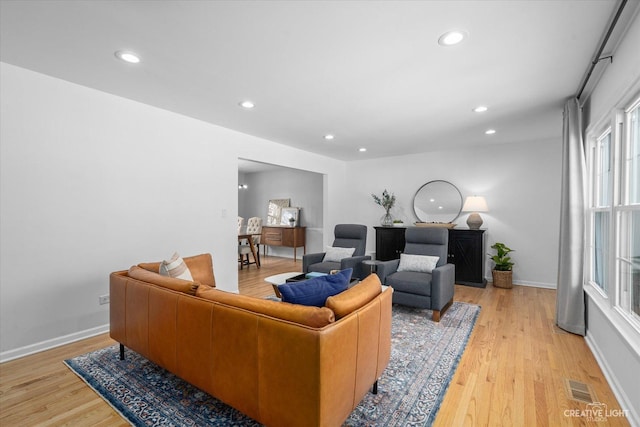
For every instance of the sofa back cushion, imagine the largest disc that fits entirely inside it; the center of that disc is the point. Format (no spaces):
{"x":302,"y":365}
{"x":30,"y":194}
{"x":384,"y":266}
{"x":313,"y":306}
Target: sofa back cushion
{"x":172,"y":283}
{"x":200,"y":266}
{"x":355,"y":297}
{"x":315,"y":317}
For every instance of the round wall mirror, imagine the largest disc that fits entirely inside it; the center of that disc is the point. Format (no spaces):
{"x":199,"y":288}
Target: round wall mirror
{"x":437,"y":201}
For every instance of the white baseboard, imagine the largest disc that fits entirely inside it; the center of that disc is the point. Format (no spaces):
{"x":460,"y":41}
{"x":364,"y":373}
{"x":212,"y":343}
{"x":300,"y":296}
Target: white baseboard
{"x":528,"y":283}
{"x":632,"y":416}
{"x":537,"y":284}
{"x":6,"y":356}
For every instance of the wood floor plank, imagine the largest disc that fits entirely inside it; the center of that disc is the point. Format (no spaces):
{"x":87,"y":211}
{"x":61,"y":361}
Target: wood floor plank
{"x":511,"y":374}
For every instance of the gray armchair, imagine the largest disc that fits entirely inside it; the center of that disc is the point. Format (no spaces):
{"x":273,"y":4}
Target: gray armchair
{"x":433,"y":290}
{"x":346,"y":236}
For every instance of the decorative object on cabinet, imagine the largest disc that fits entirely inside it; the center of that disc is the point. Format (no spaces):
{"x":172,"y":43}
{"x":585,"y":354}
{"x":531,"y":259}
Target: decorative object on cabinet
{"x":466,"y":252}
{"x":437,"y":202}
{"x":274,"y":210}
{"x":290,"y":237}
{"x":290,"y":216}
{"x":387,"y":201}
{"x":503,"y":270}
{"x":475,"y":204}
{"x":436,"y":224}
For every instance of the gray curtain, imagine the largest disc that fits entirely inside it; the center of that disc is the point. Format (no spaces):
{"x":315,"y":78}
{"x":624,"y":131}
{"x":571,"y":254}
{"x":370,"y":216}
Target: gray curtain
{"x":570,"y":313}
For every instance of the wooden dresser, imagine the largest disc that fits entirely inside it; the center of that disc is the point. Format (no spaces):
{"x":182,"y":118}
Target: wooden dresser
{"x":290,"y":237}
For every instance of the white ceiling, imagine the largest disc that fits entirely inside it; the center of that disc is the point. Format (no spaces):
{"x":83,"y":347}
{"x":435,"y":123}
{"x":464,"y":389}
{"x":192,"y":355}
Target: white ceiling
{"x":370,"y":72}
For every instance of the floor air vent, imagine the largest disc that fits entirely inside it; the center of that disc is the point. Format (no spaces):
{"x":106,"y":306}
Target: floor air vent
{"x":579,"y":391}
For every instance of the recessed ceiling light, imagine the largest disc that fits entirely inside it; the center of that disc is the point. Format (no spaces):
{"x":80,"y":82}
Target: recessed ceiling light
{"x":451,"y":38}
{"x":362,"y":150}
{"x":127,"y":56}
{"x":481,"y":109}
{"x":247,"y":104}
{"x":329,"y":137}
{"x":490,"y":131}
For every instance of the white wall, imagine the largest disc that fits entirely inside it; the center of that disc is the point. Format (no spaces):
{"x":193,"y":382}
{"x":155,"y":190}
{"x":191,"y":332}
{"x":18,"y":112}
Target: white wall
{"x":521,"y":183}
{"x":92,"y":183}
{"x":613,"y":340}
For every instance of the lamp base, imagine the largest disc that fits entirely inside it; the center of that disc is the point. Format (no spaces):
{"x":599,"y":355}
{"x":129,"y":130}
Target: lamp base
{"x":474,"y":221}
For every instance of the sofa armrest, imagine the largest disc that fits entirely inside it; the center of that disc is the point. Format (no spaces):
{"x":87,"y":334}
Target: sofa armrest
{"x":310,"y":259}
{"x":385,"y":268}
{"x":442,"y":285}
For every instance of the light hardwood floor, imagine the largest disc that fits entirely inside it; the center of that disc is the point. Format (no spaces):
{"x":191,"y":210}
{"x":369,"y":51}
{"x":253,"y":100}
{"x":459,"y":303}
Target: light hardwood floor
{"x":511,"y":374}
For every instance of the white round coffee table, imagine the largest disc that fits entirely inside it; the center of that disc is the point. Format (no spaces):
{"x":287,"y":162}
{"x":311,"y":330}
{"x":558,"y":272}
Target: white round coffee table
{"x":279,"y":279}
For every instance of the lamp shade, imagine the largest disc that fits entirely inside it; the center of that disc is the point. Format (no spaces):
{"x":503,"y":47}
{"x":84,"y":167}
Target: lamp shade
{"x":475,"y":204}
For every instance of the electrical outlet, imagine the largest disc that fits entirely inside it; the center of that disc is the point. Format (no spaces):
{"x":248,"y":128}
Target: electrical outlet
{"x":103,"y":299}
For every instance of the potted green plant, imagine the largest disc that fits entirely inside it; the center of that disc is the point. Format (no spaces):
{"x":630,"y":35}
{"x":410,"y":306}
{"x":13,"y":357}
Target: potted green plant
{"x":503,"y":269}
{"x":387,"y":201}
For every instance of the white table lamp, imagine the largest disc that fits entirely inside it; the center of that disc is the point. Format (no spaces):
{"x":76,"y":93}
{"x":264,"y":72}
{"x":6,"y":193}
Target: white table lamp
{"x":475,"y":204}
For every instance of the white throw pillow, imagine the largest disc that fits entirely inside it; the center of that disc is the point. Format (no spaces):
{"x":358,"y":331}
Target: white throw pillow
{"x":419,"y":263}
{"x":175,"y":267}
{"x":334,"y":254}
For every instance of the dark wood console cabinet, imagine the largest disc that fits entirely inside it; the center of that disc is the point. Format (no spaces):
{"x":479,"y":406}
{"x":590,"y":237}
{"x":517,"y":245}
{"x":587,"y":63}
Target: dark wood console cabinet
{"x":389,"y":242}
{"x":466,"y":251}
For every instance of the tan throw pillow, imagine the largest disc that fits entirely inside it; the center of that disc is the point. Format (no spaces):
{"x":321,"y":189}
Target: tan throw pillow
{"x":176,"y":268}
{"x":355,"y":297}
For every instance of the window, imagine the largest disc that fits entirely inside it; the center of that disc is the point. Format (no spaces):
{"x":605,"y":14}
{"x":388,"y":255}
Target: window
{"x":600,"y":207}
{"x":613,"y":226}
{"x":628,"y":256}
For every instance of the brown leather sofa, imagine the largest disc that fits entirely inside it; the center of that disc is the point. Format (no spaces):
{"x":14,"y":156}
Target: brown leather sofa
{"x":281,"y":364}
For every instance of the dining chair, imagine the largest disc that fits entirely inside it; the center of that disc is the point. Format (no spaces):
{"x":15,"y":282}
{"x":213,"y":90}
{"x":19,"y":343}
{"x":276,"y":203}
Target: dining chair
{"x":254,"y":228}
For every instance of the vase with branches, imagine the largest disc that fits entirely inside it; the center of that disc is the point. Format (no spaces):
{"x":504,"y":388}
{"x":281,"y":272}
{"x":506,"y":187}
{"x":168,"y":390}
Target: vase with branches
{"x":387,"y":201}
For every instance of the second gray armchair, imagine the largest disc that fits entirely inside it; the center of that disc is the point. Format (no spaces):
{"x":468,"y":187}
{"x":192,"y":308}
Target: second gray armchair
{"x":346,"y":236}
{"x":416,"y":283}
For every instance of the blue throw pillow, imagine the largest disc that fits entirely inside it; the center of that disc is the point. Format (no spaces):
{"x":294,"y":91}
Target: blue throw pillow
{"x":316,"y":291}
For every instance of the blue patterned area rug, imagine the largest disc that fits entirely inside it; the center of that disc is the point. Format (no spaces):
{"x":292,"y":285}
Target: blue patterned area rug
{"x":424,"y":357}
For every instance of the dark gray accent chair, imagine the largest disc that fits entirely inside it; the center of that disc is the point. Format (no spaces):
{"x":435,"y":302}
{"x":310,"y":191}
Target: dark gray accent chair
{"x":434,"y":290}
{"x":346,"y":236}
